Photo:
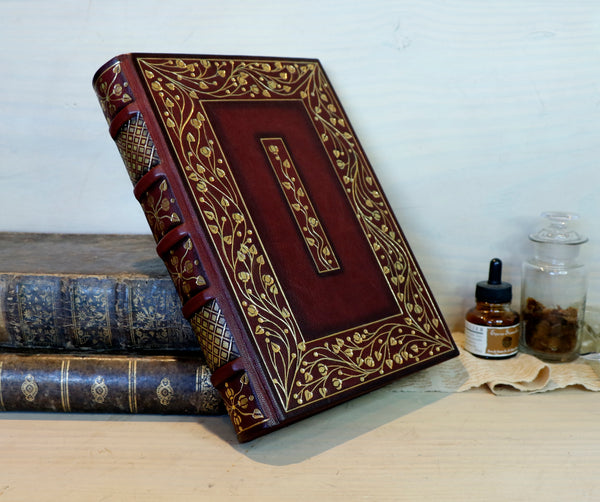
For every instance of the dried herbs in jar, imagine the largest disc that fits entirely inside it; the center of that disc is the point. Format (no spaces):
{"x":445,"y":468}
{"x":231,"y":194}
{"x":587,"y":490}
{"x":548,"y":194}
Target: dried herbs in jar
{"x":553,"y":291}
{"x":550,"y":330}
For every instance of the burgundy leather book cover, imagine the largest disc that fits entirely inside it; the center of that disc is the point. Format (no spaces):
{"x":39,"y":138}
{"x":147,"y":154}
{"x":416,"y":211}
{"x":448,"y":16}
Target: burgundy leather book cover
{"x":288,"y":259}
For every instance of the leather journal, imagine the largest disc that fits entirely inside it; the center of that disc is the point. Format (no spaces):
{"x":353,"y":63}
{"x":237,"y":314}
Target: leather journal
{"x":288,"y":260}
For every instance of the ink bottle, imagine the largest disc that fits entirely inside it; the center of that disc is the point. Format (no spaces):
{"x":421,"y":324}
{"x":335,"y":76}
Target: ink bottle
{"x":553,"y":290}
{"x":492,"y":328}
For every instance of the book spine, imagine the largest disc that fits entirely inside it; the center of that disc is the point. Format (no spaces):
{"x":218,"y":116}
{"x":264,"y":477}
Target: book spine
{"x":158,"y":189}
{"x":107,"y":384}
{"x":99,"y":313}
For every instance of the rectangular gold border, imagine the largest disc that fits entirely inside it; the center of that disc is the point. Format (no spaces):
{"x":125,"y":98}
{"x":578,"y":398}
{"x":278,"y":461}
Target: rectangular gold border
{"x":178,"y":87}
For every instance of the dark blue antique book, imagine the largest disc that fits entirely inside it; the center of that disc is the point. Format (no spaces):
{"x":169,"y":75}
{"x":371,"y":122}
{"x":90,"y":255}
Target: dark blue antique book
{"x":98,"y":293}
{"x":107,"y":383}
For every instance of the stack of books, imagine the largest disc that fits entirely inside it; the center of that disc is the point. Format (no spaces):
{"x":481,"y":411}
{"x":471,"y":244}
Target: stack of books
{"x":92,"y":323}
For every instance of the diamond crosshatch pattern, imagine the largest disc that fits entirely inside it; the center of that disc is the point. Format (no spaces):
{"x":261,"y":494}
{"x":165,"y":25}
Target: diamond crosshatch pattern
{"x":136,"y":147}
{"x":216,"y":341}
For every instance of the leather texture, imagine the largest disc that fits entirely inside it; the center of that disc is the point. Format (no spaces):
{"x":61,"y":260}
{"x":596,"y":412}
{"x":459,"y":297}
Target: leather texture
{"x":279,"y":218}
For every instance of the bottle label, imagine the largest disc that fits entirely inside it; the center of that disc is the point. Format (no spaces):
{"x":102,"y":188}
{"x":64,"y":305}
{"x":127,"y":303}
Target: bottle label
{"x":492,"y":341}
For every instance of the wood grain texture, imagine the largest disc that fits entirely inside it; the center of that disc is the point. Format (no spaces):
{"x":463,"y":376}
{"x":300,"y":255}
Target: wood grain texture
{"x":384,"y":446}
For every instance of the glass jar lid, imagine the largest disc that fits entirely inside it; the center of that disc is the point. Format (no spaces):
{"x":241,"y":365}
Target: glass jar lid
{"x":558,"y":229}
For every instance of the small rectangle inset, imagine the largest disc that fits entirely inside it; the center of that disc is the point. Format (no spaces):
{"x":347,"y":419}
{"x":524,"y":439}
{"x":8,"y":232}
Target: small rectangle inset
{"x":306,"y":217}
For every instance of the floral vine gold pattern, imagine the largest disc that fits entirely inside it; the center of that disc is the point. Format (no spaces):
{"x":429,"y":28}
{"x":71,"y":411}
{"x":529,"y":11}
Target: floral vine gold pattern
{"x":301,"y":371}
{"x":241,"y":404}
{"x":35,"y":304}
{"x":113,"y":90}
{"x":161,"y":209}
{"x":91,"y":300}
{"x":184,"y":266}
{"x":305,"y":216}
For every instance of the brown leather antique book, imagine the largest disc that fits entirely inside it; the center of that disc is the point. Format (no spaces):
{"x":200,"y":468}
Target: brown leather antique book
{"x":289,"y":262}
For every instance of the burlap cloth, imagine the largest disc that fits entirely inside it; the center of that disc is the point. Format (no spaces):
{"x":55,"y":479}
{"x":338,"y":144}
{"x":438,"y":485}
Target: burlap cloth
{"x":522,"y":373}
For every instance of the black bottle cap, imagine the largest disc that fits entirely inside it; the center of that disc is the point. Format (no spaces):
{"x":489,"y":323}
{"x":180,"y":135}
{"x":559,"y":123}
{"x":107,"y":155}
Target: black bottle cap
{"x":494,"y":290}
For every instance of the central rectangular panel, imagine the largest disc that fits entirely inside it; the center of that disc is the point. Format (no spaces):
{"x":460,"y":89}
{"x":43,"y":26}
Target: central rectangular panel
{"x":355,"y":291}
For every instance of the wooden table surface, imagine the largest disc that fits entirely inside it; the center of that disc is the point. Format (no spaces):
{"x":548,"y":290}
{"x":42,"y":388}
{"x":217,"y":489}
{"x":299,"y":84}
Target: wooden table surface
{"x":388,"y":445}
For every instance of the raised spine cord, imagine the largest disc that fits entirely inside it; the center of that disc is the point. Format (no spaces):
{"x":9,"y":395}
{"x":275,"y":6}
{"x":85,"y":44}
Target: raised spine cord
{"x":120,"y":119}
{"x":197,"y":302}
{"x":163,"y":198}
{"x":143,"y":186}
{"x":233,"y":383}
{"x":171,"y":239}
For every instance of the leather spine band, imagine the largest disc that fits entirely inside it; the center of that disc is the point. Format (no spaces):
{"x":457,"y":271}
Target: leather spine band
{"x":158,"y":193}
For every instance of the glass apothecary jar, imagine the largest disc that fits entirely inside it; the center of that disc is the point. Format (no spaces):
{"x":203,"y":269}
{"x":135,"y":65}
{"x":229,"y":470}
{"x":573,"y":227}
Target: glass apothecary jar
{"x":553,"y":291}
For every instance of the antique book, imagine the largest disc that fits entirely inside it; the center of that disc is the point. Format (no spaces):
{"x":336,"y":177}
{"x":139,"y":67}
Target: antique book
{"x":290,"y":264}
{"x":88,"y":292}
{"x":107,"y":383}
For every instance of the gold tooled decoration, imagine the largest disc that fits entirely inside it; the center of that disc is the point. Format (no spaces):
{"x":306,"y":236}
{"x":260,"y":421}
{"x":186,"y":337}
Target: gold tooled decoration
{"x":241,"y":404}
{"x":301,"y":371}
{"x":132,"y":386}
{"x":95,"y":307}
{"x":161,"y":210}
{"x":64,"y":385}
{"x":136,"y":148}
{"x":184,"y":269}
{"x":214,"y":336}
{"x":29,"y":387}
{"x":113,"y":90}
{"x":99,"y":390}
{"x":165,"y":392}
{"x":306,"y":218}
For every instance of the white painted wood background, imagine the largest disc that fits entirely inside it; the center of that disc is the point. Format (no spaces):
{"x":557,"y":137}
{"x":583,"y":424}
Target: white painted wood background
{"x":476,"y":115}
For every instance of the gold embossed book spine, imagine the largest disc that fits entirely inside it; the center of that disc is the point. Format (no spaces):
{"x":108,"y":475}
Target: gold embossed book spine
{"x":286,"y":255}
{"x":89,"y":293}
{"x":106,"y":383}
